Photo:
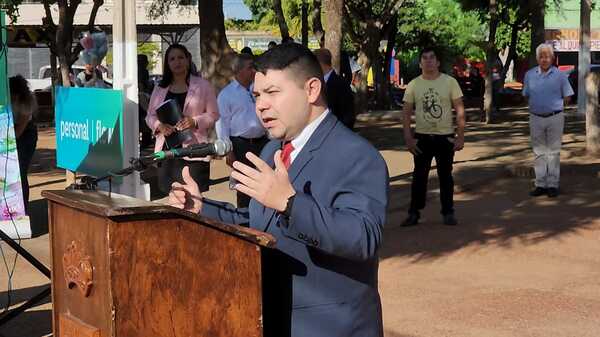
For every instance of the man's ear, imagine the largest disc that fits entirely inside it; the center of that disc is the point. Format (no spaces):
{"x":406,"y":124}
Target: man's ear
{"x":313,"y":89}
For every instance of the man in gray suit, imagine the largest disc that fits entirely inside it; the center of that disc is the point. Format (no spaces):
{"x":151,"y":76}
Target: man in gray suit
{"x":328,"y":227}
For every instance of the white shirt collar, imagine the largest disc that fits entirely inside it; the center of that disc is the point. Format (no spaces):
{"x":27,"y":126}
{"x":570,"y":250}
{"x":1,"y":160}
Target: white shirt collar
{"x":326,"y":76}
{"x":299,"y":142}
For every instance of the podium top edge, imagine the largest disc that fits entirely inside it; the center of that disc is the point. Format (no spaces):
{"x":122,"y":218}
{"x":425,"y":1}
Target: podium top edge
{"x":117,"y":205}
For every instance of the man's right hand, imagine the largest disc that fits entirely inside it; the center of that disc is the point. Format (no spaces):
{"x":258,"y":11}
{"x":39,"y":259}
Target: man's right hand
{"x":186,"y":196}
{"x":229,"y":159}
{"x":165,"y":129}
{"x":411,"y":144}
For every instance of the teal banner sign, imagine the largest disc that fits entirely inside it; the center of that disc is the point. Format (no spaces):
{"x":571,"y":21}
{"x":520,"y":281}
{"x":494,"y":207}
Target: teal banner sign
{"x":89,"y":130}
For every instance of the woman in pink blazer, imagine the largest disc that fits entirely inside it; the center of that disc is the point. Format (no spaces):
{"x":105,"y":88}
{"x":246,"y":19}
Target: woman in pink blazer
{"x":197,"y":100}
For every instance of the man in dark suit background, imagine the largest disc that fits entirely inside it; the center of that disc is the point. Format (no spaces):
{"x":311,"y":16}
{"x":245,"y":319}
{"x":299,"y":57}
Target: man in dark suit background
{"x":339,"y":95}
{"x":328,"y":228}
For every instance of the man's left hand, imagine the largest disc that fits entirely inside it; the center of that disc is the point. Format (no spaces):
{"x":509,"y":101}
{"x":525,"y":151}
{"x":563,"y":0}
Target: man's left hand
{"x":271,"y":188}
{"x":459,"y":143}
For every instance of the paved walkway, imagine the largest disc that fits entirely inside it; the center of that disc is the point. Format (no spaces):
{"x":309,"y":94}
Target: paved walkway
{"x":515,"y":266}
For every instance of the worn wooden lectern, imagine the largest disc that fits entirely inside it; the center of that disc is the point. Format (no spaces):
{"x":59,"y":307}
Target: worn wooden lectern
{"x":125,"y":267}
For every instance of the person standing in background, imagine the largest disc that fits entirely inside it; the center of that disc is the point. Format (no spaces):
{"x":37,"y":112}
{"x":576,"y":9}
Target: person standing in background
{"x":548,"y":90}
{"x":238,"y":122}
{"x":431,"y":97}
{"x":23,"y":106}
{"x":197,"y":101}
{"x":338,"y":92}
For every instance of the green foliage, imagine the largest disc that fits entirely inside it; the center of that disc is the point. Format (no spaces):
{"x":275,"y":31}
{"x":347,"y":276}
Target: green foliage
{"x":523,"y":41}
{"x":152,"y":50}
{"x":259,"y":8}
{"x":264,"y":16}
{"x":11,"y":7}
{"x":441,"y":24}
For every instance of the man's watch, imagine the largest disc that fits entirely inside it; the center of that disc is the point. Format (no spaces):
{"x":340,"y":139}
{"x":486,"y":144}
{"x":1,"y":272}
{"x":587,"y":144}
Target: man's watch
{"x":287,"y":212}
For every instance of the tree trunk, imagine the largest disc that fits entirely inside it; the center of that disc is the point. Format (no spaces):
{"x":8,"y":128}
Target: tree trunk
{"x":334,"y":11}
{"x":378,"y":66}
{"x":283,"y":27}
{"x":592,"y":120}
{"x":584,"y":57}
{"x":368,"y":56}
{"x":537,"y":9}
{"x":384,"y":93}
{"x":304,"y":23}
{"x":362,"y":91}
{"x":215,"y":53}
{"x":512,"y":49}
{"x":64,"y":40}
{"x":62,"y":45}
{"x":491,"y":57}
{"x":316,"y":20}
{"x":53,"y":66}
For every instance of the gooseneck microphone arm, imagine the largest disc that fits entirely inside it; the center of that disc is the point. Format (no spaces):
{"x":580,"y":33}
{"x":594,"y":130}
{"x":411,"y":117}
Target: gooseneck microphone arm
{"x":218,"y":148}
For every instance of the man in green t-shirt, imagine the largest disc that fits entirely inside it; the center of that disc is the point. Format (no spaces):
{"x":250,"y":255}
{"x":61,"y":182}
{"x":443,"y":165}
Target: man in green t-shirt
{"x":431,"y":97}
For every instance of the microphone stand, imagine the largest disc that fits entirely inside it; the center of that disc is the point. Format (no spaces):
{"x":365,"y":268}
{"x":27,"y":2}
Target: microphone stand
{"x":88,"y":183}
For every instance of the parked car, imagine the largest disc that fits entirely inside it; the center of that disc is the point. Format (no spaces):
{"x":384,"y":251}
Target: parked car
{"x":44,"y":80}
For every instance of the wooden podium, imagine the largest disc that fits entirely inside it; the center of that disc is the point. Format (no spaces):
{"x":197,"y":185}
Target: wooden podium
{"x":125,"y":267}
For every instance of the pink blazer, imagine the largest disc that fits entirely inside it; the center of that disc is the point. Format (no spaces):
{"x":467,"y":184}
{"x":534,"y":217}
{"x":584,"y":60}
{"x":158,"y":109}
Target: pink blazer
{"x":200,"y":104}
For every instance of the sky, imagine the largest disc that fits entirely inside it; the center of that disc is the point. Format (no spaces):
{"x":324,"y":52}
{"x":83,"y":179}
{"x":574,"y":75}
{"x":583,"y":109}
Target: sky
{"x":235,"y":9}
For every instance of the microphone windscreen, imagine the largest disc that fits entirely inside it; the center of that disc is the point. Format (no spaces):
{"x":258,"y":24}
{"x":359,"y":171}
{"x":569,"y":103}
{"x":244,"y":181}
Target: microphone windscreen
{"x":222,"y":147}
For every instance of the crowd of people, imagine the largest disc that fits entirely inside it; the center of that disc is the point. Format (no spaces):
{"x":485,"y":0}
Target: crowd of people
{"x":302,"y":174}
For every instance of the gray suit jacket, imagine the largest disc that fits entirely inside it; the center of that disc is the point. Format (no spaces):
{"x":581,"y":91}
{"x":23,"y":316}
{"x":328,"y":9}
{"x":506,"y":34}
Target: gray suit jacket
{"x":326,"y":284}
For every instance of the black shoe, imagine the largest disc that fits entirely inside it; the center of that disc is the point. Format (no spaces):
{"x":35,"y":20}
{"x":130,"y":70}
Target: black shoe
{"x":412,"y":220}
{"x":538,"y":191}
{"x":450,"y":220}
{"x":553,"y":192}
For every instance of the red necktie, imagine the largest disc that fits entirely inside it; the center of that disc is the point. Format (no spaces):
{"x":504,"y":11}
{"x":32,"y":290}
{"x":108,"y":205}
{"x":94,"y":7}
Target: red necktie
{"x":286,"y":154}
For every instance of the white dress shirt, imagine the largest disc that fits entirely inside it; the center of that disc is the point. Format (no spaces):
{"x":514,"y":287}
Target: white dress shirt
{"x":299,"y":142}
{"x":237,"y":112}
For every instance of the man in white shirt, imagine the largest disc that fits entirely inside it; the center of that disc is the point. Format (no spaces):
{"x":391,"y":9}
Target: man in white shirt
{"x":238,"y":122}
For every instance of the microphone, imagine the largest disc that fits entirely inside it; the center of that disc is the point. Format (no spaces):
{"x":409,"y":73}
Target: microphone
{"x":218,"y":148}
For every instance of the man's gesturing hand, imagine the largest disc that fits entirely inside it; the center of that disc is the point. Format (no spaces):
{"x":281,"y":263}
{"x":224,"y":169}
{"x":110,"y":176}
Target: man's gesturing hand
{"x":272,"y":188}
{"x":186,"y":196}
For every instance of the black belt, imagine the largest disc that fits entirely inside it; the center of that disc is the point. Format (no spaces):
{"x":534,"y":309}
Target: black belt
{"x":556,"y":112}
{"x":251,"y":140}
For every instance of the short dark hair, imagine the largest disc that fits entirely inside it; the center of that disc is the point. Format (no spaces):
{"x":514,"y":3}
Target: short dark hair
{"x":167,"y":77}
{"x":142,"y":60}
{"x":430,"y":50}
{"x":240,"y":61}
{"x":291,"y":56}
{"x":246,"y":50}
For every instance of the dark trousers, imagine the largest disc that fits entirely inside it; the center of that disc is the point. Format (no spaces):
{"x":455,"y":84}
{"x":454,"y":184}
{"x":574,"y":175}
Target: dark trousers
{"x":241,"y":146}
{"x":440,"y":147}
{"x":26,"y":144}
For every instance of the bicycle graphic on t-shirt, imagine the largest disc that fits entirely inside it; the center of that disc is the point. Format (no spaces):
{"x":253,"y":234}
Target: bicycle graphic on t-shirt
{"x":430,"y":104}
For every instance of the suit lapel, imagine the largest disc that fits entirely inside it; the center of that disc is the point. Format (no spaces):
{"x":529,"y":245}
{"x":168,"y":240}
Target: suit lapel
{"x":301,"y":160}
{"x":268,"y":213}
